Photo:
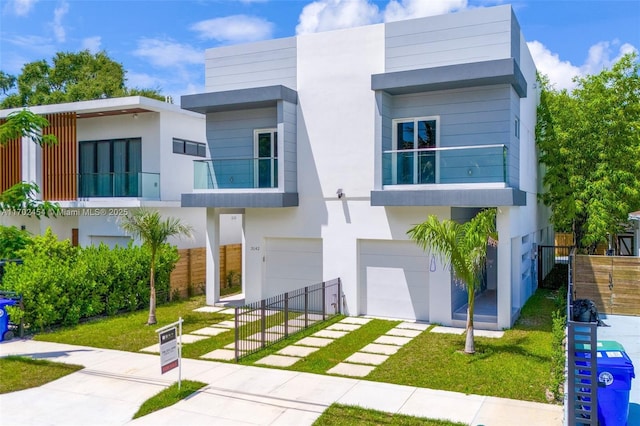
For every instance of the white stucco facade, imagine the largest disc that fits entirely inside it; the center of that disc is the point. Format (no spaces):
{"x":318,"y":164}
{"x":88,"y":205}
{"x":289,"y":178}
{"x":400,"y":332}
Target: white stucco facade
{"x":353,"y":89}
{"x":161,"y":177}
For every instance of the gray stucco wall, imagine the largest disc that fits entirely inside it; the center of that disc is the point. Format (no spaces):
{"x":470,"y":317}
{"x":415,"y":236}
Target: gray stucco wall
{"x":265,"y":63}
{"x":472,"y":36}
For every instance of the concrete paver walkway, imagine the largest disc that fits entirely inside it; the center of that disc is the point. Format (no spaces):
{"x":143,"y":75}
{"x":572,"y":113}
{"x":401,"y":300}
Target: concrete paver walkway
{"x":114,"y":384}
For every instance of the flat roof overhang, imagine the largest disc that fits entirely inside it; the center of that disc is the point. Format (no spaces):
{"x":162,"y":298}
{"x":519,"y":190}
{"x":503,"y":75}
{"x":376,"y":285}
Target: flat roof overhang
{"x":494,"y":197}
{"x":231,"y":100}
{"x":499,"y":71}
{"x":240,"y":200}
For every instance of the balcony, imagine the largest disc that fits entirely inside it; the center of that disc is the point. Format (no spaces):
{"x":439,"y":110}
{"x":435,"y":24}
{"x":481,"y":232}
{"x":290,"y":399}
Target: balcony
{"x":451,"y":165}
{"x":466,"y":176}
{"x":245,"y":173}
{"x":137,"y":185}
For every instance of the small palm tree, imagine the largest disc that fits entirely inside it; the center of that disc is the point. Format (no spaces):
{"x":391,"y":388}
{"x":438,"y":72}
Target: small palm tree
{"x":464,"y":247}
{"x":148,"y":227}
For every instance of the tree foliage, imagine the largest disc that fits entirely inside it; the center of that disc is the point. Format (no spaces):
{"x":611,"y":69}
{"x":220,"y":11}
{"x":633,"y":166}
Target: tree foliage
{"x":154,"y":232}
{"x":589,"y":141}
{"x":464,"y":247}
{"x":71,"y":77}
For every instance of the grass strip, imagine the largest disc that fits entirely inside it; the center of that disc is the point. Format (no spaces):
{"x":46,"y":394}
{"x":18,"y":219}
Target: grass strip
{"x":20,"y":373}
{"x":515,"y":366}
{"x":344,"y":415}
{"x":322,"y":360}
{"x":129,"y":332}
{"x":168,"y":397}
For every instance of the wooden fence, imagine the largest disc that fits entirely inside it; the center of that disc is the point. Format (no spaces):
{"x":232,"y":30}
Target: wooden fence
{"x":190,"y":274}
{"x":612,"y":282}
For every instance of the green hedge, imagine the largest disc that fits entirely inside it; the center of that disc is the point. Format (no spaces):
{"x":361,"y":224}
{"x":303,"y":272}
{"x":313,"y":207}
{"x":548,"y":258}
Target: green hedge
{"x":61,"y":284}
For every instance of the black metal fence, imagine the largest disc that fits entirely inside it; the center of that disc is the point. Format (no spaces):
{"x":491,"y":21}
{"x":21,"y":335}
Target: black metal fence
{"x":550,"y":258}
{"x":262,"y":324}
{"x":581,"y":351}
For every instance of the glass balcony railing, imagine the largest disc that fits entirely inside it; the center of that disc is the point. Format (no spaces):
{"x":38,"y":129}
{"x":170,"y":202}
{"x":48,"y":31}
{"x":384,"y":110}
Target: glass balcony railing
{"x":466,"y":164}
{"x":138,"y":185}
{"x":235,"y":173}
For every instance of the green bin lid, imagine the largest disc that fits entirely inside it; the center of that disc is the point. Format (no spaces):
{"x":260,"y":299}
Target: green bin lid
{"x":609,"y":345}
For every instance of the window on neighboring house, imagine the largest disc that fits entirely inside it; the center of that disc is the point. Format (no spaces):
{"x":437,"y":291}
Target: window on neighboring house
{"x":517,"y":126}
{"x":110,"y":168}
{"x":416,"y":136}
{"x":182,"y":146}
{"x":266,"y":154}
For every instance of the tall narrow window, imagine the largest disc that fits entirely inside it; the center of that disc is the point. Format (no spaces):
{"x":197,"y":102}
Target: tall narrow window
{"x":266,"y":153}
{"x":415,"y":136}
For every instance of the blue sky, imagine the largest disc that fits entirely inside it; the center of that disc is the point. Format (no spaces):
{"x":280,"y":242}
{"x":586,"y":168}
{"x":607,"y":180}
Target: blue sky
{"x":161,"y":43}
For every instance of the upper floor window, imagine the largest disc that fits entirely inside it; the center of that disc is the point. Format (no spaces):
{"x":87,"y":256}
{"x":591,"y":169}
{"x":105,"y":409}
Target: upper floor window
{"x":265,"y":143}
{"x":197,"y":149}
{"x":517,"y":127}
{"x":110,"y":168}
{"x":414,"y":159}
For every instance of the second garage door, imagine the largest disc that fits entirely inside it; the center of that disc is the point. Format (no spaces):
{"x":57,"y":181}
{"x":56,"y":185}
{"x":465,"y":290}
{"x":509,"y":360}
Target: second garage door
{"x":393,"y":280}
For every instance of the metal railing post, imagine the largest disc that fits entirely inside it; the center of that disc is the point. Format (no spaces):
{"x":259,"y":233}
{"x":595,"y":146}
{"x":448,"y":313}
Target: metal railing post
{"x":306,"y":307}
{"x":324,"y":300}
{"x":339,"y":296}
{"x":286,"y":314}
{"x":237,"y":335}
{"x":263,"y":321}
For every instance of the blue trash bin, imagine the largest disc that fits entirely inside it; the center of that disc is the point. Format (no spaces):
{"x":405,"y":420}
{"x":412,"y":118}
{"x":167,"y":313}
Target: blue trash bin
{"x":5,"y":333}
{"x":615,"y":372}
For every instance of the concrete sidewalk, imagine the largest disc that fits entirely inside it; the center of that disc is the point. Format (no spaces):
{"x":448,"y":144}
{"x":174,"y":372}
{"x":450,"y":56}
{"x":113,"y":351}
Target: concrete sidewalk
{"x":114,"y":384}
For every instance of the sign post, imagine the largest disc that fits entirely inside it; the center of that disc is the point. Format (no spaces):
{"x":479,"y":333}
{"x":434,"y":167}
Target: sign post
{"x":170,"y":339}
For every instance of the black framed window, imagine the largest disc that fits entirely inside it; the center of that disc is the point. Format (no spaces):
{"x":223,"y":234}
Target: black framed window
{"x":182,"y":146}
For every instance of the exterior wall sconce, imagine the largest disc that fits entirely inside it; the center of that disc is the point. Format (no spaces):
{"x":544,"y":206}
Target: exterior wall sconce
{"x":340,"y":193}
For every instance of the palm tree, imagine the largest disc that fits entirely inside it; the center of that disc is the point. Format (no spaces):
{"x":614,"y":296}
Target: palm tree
{"x":148,"y":227}
{"x":464,"y":247}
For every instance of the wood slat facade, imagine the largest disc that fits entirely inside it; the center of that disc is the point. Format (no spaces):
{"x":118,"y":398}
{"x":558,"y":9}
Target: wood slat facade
{"x":10,"y":163}
{"x":612,"y":282}
{"x":60,"y":161}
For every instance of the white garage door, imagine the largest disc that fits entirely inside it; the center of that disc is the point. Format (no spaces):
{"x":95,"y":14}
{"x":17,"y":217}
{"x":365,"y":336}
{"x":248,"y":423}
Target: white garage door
{"x":292,"y":263}
{"x":394,"y":280}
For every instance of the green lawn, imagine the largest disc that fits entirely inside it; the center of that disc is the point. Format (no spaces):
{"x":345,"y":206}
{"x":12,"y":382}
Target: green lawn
{"x":516,"y":366}
{"x":20,"y":373}
{"x":168,"y":397}
{"x":344,"y":415}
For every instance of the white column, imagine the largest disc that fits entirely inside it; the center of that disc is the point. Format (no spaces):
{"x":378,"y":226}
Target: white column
{"x":32,"y":163}
{"x":503,"y":225}
{"x":213,"y":256}
{"x":439,"y":283}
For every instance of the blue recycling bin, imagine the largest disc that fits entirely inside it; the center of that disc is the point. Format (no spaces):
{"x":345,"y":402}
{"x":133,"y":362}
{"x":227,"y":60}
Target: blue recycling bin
{"x":5,"y":333}
{"x":615,"y":372}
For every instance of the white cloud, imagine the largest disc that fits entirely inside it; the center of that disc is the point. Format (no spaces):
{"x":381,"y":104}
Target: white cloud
{"x":165,"y":53}
{"x":561,"y":73}
{"x":234,"y":29}
{"x":22,"y":7}
{"x":92,"y":44}
{"x":142,"y":80}
{"x":58,"y":29}
{"x":407,"y":9}
{"x":325,"y":15}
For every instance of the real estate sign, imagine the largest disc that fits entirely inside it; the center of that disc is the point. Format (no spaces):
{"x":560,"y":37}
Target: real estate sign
{"x":169,"y":358}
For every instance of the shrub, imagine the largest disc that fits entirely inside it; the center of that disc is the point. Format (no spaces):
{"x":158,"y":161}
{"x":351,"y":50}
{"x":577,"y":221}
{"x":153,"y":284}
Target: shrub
{"x":61,"y":284}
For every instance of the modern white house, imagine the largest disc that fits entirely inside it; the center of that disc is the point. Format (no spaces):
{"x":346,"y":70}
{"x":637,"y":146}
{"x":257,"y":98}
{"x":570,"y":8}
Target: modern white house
{"x":332,"y":145}
{"x":112,"y":156}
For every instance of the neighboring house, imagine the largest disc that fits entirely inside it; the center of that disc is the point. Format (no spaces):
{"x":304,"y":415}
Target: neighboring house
{"x":332,"y":145}
{"x":112,"y":156}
